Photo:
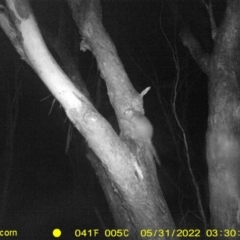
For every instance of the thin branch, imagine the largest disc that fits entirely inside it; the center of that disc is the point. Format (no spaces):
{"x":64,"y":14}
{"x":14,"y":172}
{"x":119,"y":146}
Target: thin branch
{"x":174,"y":108}
{"x":186,"y":143}
{"x":212,"y":21}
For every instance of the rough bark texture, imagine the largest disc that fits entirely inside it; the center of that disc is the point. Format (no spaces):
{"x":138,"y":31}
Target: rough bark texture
{"x":223,"y":135}
{"x":126,"y":168}
{"x":134,"y":196}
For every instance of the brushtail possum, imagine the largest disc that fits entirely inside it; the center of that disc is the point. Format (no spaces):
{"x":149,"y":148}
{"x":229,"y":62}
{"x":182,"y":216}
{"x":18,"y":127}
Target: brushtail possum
{"x":143,"y":130}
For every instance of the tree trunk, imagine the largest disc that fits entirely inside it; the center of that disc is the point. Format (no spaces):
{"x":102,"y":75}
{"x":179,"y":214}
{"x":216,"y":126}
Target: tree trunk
{"x":125,"y":164}
{"x":223,"y":136}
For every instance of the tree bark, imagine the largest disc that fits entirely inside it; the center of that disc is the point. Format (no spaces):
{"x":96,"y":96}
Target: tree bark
{"x":127,"y":170}
{"x":223,"y":134}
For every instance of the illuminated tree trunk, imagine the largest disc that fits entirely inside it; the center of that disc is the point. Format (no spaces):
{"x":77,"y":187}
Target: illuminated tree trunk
{"x":125,"y":166}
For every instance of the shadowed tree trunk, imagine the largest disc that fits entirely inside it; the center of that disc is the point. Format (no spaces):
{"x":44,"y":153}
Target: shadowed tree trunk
{"x":12,"y":118}
{"x":223,"y":135}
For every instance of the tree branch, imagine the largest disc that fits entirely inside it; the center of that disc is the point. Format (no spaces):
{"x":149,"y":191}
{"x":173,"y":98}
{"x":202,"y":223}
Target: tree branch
{"x":200,"y":56}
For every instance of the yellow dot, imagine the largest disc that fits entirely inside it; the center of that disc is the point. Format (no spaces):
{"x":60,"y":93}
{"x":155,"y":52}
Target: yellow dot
{"x":57,"y":232}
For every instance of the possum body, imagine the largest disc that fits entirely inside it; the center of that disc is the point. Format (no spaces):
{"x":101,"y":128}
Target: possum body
{"x":143,"y":130}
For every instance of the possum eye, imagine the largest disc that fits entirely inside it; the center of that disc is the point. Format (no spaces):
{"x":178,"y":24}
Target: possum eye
{"x":129,"y":113}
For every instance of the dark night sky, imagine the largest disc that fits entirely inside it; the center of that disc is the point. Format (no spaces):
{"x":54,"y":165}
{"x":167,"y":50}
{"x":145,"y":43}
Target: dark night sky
{"x":43,"y":176}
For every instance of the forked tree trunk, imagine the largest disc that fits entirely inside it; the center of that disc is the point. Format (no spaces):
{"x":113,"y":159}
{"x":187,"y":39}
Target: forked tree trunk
{"x":223,"y":135}
{"x":125,"y":166}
